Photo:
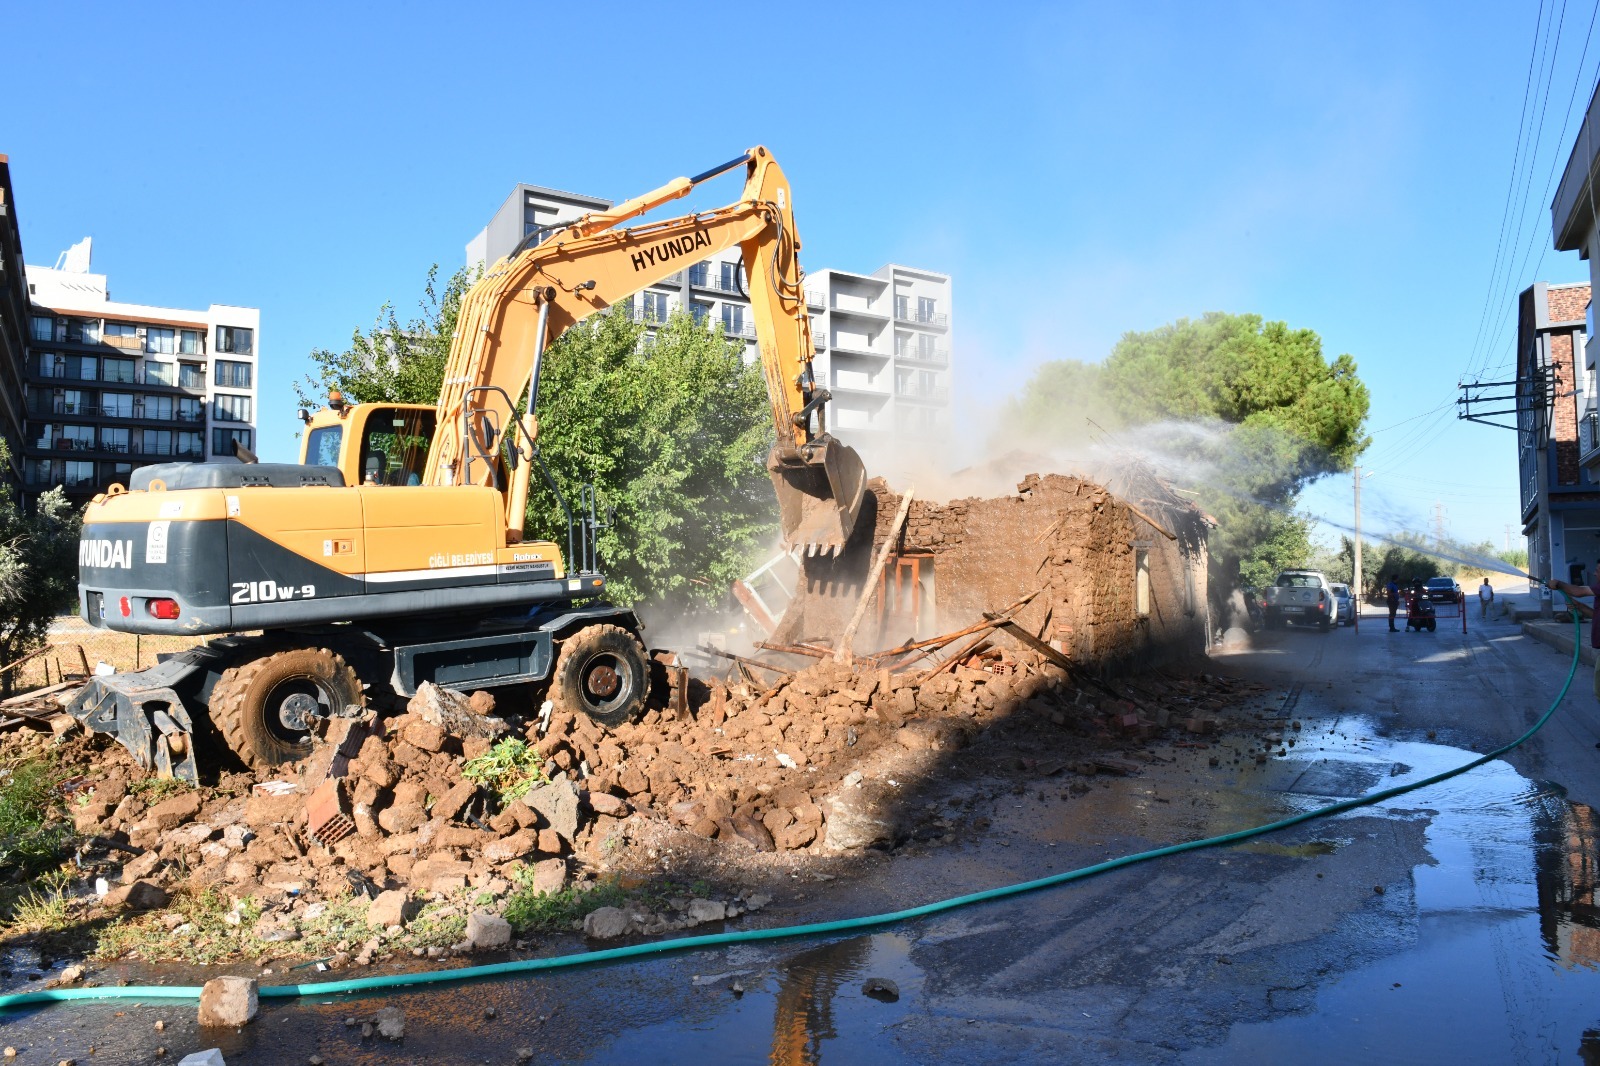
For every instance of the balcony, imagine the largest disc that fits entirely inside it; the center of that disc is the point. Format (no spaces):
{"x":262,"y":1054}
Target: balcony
{"x":1588,"y":435}
{"x":852,"y":348}
{"x":938,"y":395}
{"x":817,"y":299}
{"x":701,"y":277}
{"x":922,"y":356}
{"x":931,"y":319}
{"x":747,"y":330}
{"x":648,"y":316}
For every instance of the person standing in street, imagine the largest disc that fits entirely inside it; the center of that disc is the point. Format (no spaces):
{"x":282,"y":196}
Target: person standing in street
{"x":1485,"y":598}
{"x":1392,"y":591}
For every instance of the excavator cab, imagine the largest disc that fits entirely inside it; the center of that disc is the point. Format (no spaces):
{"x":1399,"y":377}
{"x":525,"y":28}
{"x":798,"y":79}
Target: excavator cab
{"x":371,"y":444}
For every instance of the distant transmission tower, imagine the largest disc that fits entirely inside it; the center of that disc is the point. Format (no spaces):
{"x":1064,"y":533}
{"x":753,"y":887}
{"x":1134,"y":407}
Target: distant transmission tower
{"x":1438,"y":523}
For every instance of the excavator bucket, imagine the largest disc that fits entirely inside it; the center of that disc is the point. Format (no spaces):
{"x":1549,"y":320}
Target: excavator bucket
{"x":819,"y":497}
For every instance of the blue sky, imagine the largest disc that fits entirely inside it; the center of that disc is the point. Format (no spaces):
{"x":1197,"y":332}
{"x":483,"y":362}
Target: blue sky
{"x":1080,"y":170}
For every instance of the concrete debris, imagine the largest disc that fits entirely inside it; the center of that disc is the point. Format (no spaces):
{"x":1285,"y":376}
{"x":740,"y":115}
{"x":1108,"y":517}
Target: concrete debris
{"x":231,"y":1001}
{"x":390,"y":1023}
{"x":488,"y":932}
{"x":605,"y":923}
{"x":208,"y":1057}
{"x":456,"y":713}
{"x":881,"y":988}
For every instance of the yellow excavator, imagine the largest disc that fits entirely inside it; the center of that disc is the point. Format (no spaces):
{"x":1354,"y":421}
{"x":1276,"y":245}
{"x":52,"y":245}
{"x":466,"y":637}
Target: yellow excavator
{"x":393,"y":554}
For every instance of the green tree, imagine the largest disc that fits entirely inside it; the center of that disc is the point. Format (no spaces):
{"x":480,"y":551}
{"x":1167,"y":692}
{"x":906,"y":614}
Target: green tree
{"x":38,"y":570}
{"x":1252,"y":410}
{"x":673,"y":436}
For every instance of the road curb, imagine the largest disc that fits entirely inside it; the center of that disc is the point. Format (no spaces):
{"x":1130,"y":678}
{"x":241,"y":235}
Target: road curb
{"x":1559,"y":637}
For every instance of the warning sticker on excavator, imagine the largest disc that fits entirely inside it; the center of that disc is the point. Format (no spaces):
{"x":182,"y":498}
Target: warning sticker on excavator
{"x":155,"y":545}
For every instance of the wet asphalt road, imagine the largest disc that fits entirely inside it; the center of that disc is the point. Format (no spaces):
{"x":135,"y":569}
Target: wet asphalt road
{"x":1456,"y":923}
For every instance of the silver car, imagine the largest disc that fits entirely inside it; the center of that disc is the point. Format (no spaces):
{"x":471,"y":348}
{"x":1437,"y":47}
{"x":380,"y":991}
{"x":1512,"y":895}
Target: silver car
{"x":1344,"y":606}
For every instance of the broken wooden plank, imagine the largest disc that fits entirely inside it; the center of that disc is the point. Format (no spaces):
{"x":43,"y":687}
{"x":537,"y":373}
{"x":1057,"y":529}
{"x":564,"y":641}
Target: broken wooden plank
{"x":1033,"y":642}
{"x":795,"y":649}
{"x":870,"y":587}
{"x":745,"y":660}
{"x":1151,"y":522}
{"x":28,"y":697}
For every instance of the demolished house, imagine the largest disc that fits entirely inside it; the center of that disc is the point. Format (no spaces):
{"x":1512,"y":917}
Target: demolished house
{"x":1117,"y":578}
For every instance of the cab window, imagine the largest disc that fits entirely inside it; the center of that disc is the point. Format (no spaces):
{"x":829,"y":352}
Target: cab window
{"x":394,"y":446}
{"x":322,"y":446}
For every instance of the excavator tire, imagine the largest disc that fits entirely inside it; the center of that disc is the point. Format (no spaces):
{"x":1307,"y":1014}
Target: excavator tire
{"x":602,"y":672}
{"x":259,"y":707}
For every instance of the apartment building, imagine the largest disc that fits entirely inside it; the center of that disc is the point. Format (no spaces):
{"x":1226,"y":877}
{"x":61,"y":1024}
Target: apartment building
{"x":113,"y":386}
{"x":1554,"y":391}
{"x":13,"y":330}
{"x":882,"y":339}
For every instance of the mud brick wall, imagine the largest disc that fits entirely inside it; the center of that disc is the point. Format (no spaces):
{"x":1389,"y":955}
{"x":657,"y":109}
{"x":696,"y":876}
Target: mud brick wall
{"x":1068,"y":536}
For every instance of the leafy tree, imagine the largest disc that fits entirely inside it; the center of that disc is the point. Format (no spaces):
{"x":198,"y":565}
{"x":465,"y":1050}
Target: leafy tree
{"x":38,"y":570}
{"x":1251,"y":411}
{"x":673,"y":436}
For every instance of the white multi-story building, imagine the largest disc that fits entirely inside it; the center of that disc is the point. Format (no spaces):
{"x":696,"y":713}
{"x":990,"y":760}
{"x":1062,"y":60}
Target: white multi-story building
{"x":114,"y":386}
{"x":882,"y":339}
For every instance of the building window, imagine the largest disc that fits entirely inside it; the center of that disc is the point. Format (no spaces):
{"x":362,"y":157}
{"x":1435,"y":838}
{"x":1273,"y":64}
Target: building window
{"x":730,"y":277}
{"x":231,"y":409}
{"x":158,"y":373}
{"x":699,"y":275}
{"x":117,"y":404}
{"x":83,"y":330}
{"x":232,"y":375}
{"x":222,"y":440}
{"x":191,"y":445}
{"x":159,"y":340}
{"x":42,"y":328}
{"x":655,"y":307}
{"x":190,"y":410}
{"x":235,"y":340}
{"x":924,"y":309}
{"x":114,"y":439}
{"x":902,"y":307}
{"x":159,"y":407}
{"x":77,"y":474}
{"x":1141,"y":582}
{"x":118,"y":370}
{"x":733,"y":318}
{"x":191,"y":342}
{"x":157,"y":442}
{"x":701,"y":311}
{"x":77,"y":438}
{"x":67,"y":402}
{"x":122,"y":335}
{"x":192,"y":375}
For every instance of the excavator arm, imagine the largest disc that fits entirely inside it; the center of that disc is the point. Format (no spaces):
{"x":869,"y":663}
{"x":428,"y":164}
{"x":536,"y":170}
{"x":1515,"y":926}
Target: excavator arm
{"x":527,"y":300}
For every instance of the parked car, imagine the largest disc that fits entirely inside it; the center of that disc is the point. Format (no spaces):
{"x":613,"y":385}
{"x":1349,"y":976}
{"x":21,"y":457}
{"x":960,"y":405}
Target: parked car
{"x":1443,"y":590}
{"x":1344,"y":605}
{"x":1298,"y":596}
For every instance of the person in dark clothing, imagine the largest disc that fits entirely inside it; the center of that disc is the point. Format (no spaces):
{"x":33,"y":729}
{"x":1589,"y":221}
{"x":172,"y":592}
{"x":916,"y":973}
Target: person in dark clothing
{"x":1392,"y":591}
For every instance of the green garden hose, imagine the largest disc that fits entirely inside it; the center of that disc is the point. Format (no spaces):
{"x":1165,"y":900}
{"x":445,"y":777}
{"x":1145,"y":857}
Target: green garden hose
{"x":815,"y":929}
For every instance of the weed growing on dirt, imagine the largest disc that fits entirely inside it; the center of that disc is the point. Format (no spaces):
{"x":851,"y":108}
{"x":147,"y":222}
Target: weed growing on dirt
{"x":33,"y":832}
{"x":511,"y":768}
{"x":44,"y":908}
{"x":212,"y":929}
{"x":544,"y":912}
{"x":154,"y":789}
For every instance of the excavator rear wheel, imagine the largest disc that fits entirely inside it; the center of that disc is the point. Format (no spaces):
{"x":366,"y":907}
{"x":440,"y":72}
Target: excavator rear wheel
{"x":263,"y":707}
{"x":602,"y":672}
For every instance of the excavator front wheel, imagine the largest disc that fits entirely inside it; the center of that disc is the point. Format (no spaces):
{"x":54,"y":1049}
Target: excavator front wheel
{"x":602,"y":672}
{"x":263,"y":707}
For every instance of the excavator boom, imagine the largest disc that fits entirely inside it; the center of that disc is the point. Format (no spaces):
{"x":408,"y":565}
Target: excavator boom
{"x":528,"y":299}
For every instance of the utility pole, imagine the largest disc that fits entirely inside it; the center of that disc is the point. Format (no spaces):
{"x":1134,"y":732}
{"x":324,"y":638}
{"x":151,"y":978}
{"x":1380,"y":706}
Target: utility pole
{"x":1508,"y":536}
{"x":1438,"y":524}
{"x":1360,"y":589}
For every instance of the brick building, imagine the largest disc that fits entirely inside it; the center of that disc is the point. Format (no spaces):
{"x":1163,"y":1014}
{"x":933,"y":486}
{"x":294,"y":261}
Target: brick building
{"x":1556,"y":432}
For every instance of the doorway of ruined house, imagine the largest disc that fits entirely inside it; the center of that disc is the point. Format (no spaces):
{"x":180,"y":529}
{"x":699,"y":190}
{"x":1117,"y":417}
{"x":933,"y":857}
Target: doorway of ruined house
{"x":907,"y":599}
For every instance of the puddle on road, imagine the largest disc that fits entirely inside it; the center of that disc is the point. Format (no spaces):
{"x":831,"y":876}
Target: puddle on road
{"x":1506,"y":962}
